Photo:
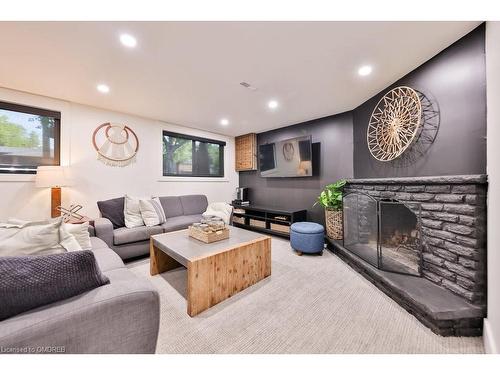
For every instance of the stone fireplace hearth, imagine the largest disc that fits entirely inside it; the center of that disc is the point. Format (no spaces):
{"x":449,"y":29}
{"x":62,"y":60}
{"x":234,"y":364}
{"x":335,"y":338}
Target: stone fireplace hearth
{"x":452,"y":239}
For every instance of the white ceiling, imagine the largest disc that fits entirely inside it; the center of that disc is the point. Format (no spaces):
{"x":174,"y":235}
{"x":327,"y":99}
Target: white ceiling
{"x":188,"y":73}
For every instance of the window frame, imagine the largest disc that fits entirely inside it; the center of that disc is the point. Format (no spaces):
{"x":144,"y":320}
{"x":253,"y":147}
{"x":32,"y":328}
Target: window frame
{"x":194,"y":139}
{"x":31,"y":169}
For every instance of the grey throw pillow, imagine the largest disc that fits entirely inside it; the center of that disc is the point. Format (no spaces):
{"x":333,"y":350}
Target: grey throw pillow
{"x":112,"y":209}
{"x":31,"y":281}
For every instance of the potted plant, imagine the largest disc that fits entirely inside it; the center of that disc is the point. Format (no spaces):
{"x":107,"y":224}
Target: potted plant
{"x":331,"y":199}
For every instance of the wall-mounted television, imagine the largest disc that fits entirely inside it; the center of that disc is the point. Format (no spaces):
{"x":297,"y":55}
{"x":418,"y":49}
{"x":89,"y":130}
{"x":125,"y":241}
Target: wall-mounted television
{"x":288,"y":158}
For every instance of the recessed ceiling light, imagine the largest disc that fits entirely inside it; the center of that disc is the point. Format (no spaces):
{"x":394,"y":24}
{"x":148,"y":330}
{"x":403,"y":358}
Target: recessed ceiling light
{"x":273,"y":104}
{"x":365,"y":70}
{"x":103,"y":88}
{"x":128,"y":40}
{"x":224,"y":122}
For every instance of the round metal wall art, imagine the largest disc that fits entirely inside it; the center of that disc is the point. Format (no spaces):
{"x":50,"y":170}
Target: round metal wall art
{"x":116,"y":144}
{"x":394,"y":123}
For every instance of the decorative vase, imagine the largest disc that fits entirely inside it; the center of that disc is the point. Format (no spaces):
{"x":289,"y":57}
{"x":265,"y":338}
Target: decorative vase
{"x":334,"y":225}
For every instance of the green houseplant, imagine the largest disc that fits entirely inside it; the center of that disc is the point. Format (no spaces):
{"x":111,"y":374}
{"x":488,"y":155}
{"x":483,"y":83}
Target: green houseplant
{"x":331,"y":199}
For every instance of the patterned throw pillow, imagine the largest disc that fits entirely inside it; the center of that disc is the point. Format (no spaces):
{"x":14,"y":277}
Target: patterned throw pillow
{"x":152,"y":212}
{"x":30,"y":282}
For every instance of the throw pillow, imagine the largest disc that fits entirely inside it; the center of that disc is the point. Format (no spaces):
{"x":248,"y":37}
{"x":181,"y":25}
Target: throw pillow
{"x":113,"y":210}
{"x":67,"y":240}
{"x":33,"y":238}
{"x":152,"y":212}
{"x":132,"y":212}
{"x":81,"y":234}
{"x":30,"y":282}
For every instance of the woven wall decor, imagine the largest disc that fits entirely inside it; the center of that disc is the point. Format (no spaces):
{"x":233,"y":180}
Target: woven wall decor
{"x":116,"y":144}
{"x":394,"y":123}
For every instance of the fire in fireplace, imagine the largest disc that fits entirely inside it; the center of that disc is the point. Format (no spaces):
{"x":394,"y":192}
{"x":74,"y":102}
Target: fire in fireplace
{"x":385,"y":233}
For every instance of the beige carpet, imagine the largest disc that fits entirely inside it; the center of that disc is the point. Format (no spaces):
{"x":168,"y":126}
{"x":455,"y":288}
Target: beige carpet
{"x":310,"y":304}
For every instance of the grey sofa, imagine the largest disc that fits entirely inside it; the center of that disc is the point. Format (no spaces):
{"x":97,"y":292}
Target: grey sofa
{"x":180,"y":211}
{"x":121,"y":317}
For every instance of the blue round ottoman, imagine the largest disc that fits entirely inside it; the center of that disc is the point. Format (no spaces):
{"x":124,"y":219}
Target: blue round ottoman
{"x":307,"y":237}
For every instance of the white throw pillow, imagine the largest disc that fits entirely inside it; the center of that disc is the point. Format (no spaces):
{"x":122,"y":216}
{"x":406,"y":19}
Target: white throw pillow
{"x":81,"y":234}
{"x":67,"y":240}
{"x":34,"y":238}
{"x":152,"y":212}
{"x":132,"y":212}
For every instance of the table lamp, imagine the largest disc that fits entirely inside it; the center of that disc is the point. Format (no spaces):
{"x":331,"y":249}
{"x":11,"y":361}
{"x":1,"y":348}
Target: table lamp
{"x":52,"y":177}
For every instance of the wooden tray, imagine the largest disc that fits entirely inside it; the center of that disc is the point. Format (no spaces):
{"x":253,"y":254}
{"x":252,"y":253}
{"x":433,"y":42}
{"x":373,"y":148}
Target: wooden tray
{"x":208,"y":237}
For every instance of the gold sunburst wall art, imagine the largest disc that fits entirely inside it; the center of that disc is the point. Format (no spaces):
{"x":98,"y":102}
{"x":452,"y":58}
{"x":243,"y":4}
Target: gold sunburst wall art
{"x":394,"y":123}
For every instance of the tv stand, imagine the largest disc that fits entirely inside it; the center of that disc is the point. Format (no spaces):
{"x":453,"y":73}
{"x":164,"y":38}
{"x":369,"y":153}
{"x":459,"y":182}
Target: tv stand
{"x":267,"y":219}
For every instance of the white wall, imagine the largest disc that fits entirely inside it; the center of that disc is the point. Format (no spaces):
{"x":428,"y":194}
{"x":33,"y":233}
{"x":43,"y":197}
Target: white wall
{"x":492,"y":323}
{"x":95,"y":181}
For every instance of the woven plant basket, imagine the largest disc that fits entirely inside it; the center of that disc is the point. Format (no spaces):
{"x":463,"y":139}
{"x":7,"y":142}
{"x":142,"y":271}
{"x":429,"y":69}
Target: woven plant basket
{"x":333,"y":220}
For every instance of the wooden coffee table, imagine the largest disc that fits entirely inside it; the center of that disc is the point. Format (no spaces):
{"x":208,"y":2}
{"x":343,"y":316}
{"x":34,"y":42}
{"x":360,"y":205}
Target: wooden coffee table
{"x":216,"y":271}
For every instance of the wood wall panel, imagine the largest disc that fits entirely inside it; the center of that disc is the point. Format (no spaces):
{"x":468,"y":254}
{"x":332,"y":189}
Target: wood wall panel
{"x":246,"y":152}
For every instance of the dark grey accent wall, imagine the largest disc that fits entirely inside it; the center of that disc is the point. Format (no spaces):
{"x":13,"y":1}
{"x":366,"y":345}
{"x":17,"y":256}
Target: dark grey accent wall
{"x":455,"y":80}
{"x":332,"y":159}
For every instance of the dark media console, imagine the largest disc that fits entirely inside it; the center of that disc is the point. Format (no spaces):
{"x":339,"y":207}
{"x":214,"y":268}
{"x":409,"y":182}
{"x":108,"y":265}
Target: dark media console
{"x":269,"y":220}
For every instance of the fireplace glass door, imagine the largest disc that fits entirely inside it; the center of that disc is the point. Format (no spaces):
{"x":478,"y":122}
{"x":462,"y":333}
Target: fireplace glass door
{"x":361,"y":226}
{"x":385,"y":233}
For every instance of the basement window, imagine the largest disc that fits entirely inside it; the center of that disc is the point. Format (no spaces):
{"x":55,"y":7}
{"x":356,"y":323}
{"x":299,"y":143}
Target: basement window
{"x":189,"y":156}
{"x":29,"y":137}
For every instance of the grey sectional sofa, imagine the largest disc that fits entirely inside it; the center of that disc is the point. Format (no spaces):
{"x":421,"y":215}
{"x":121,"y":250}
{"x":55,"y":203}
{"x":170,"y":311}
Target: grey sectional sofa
{"x":121,"y":317}
{"x":180,"y":211}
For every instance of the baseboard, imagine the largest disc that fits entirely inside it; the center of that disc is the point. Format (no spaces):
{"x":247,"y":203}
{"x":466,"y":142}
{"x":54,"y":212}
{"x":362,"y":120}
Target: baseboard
{"x":490,"y":346}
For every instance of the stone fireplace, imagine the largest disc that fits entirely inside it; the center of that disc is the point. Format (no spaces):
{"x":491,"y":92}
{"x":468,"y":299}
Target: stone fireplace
{"x":418,"y":238}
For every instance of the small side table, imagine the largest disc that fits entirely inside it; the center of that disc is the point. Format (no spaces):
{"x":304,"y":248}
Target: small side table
{"x":81,"y":221}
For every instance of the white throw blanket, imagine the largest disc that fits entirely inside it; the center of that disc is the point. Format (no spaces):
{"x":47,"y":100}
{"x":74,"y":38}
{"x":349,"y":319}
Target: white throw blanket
{"x":219,"y":209}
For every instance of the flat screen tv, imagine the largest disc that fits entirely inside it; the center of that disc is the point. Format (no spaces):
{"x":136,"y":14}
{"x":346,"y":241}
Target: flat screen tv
{"x":287,"y":158}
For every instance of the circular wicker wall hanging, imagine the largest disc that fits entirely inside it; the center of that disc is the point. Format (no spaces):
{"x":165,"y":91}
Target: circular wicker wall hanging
{"x":116,"y":145}
{"x":394,"y":123}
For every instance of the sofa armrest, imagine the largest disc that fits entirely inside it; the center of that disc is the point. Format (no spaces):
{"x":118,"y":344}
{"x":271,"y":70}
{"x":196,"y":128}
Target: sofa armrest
{"x":104,"y":230}
{"x":121,"y":317}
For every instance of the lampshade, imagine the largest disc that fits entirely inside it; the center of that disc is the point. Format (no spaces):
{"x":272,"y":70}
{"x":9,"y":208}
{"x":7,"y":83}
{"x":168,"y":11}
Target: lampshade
{"x":51,"y":176}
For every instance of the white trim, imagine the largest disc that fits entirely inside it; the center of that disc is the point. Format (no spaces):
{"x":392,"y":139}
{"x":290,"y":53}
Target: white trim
{"x":192,"y":179}
{"x":490,"y":346}
{"x":22,"y":177}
